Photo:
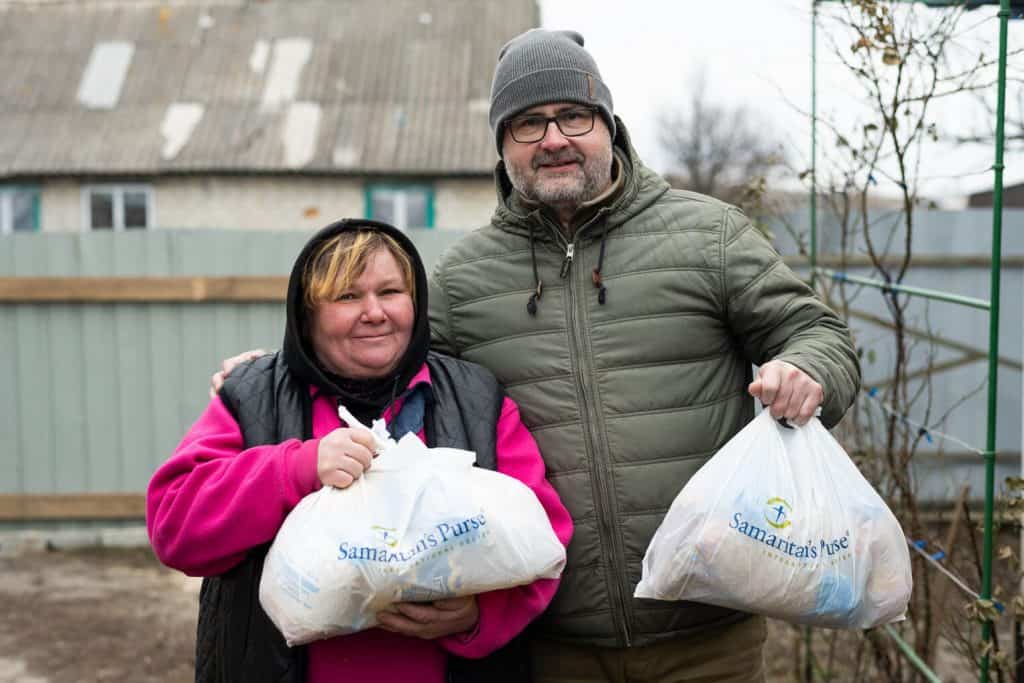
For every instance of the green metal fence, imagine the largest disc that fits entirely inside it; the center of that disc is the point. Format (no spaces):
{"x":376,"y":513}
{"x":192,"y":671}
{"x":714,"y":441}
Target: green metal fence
{"x":992,"y":306}
{"x":98,"y":385}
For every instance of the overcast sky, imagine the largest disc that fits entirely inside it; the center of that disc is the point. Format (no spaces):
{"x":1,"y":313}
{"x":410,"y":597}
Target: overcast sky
{"x":755,"y":52}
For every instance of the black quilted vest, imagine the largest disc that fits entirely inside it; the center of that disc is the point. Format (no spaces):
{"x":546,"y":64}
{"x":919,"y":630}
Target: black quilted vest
{"x":235,"y":641}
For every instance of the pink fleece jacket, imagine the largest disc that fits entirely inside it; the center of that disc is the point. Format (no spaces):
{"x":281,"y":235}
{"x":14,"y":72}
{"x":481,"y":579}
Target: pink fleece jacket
{"x":212,"y":501}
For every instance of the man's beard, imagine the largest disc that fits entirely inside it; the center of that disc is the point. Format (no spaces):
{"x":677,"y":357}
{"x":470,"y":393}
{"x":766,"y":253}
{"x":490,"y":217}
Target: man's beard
{"x":585,"y":182}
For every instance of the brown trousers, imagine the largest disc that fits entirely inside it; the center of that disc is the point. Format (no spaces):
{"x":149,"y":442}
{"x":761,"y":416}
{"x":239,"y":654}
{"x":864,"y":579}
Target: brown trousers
{"x":731,"y":654}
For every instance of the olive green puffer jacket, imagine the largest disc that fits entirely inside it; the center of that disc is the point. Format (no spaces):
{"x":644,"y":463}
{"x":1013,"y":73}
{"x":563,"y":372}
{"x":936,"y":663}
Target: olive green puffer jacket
{"x":629,"y":397}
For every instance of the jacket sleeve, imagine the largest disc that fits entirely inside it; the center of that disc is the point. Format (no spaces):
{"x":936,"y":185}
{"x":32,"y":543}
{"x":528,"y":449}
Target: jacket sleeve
{"x":441,"y":338}
{"x":505,"y":613}
{"x":212,"y":501}
{"x":775,"y":315}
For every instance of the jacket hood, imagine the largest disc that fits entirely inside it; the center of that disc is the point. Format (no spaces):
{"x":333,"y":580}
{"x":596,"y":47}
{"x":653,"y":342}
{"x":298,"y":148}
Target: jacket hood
{"x":298,"y":351}
{"x":641,"y":188}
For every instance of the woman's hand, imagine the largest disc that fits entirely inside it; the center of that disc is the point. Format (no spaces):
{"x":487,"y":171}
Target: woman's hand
{"x":432,"y":620}
{"x":343,"y":456}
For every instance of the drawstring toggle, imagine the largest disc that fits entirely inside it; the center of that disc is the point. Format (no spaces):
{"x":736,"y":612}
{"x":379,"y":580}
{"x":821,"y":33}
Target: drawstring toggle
{"x":531,"y":305}
{"x":595,"y":276}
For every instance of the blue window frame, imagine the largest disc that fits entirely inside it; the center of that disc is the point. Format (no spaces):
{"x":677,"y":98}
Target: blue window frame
{"x":19,"y":208}
{"x":403,"y":205}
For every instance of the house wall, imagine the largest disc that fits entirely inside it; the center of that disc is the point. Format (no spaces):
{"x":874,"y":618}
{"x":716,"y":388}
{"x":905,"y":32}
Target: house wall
{"x":60,"y":207}
{"x":464,"y":204}
{"x":262,"y":203}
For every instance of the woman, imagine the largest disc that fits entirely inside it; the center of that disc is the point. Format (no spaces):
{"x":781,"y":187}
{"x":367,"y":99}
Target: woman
{"x":357,"y":334}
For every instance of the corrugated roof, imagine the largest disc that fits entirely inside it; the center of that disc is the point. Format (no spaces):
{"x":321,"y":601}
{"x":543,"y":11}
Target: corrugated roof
{"x":391,"y":87}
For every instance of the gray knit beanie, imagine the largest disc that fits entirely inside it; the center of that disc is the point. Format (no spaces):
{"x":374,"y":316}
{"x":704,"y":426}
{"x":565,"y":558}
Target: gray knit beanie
{"x":538,"y":67}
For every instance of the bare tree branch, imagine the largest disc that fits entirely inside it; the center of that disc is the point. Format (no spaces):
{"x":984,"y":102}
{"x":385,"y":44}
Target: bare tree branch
{"x":717,"y":149}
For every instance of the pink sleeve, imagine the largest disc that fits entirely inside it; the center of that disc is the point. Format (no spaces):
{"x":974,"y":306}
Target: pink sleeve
{"x":212,"y":501}
{"x":505,"y":613}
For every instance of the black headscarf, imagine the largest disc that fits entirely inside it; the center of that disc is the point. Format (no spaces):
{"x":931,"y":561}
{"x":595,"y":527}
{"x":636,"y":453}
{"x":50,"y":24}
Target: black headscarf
{"x":367,"y":399}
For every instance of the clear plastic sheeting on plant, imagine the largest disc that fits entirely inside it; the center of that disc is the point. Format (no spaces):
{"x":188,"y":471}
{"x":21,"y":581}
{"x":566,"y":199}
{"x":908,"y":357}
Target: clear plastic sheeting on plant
{"x":422,"y":524}
{"x":780,"y":522}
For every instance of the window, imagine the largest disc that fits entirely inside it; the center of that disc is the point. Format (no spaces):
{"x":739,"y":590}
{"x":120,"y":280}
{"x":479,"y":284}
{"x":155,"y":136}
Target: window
{"x":117,"y":207}
{"x":403,"y":206}
{"x":19,"y":209}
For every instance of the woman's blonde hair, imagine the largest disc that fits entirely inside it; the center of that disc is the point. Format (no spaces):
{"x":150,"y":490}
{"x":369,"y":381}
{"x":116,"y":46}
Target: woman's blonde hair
{"x":340,"y":260}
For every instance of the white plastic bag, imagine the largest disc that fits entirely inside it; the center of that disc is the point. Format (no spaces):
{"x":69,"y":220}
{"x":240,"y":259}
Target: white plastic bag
{"x":780,"y":522}
{"x":420,"y":525}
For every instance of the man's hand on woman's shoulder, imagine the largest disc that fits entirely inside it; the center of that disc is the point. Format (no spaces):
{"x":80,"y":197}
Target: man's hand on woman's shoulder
{"x":226,"y":366}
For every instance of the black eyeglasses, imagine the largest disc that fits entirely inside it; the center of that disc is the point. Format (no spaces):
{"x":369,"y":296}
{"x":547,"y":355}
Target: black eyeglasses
{"x":533,"y":127}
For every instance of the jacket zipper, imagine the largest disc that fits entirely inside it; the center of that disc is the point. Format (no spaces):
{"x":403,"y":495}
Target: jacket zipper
{"x":590,"y":410}
{"x":568,"y":260}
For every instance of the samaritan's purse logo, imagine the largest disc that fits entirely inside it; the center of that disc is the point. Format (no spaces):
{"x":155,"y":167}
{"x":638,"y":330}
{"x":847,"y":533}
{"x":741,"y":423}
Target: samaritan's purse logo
{"x":777,"y":514}
{"x":386,"y":535}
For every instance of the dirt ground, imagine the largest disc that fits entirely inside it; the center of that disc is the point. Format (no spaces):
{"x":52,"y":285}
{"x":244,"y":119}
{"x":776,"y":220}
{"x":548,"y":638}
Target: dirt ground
{"x":96,"y":615}
{"x":117,"y":615}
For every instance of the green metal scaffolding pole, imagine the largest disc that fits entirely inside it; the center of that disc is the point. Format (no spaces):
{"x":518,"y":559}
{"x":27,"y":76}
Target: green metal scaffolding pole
{"x":993,"y":328}
{"x":887,"y":287}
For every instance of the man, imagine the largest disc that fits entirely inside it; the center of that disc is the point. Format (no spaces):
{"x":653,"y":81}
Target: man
{"x":623,"y":317}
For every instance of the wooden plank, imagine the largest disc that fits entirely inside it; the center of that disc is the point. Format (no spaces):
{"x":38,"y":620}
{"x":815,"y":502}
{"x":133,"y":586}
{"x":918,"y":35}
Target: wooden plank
{"x":66,"y":391}
{"x":33,"y":378}
{"x":265,"y":328}
{"x":263,"y":288}
{"x":271,"y":253}
{"x":200,"y":328}
{"x":166,"y":379}
{"x":100,"y":354}
{"x":129,"y":334}
{"x":11,"y":405}
{"x":68,"y":399}
{"x":135,"y":396}
{"x":227,"y":333}
{"x":158,"y":332}
{"x":134,"y":390}
{"x":22,"y":507}
{"x":101,"y":289}
{"x":163,"y":367}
